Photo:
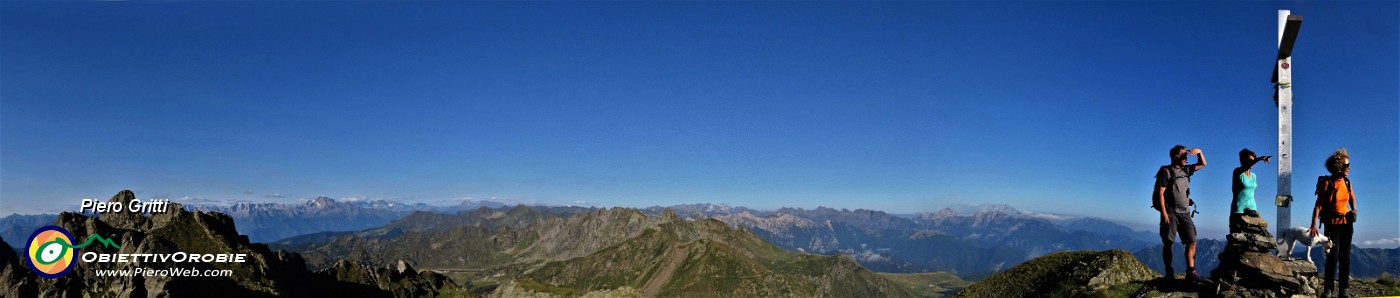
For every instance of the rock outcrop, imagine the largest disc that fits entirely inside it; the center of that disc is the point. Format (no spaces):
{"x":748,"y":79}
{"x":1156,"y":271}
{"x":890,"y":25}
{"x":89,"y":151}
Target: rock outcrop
{"x":1248,"y":269}
{"x":16,"y":280}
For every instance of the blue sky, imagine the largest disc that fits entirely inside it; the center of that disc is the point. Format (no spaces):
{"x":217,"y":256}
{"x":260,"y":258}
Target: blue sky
{"x":1063,"y":107}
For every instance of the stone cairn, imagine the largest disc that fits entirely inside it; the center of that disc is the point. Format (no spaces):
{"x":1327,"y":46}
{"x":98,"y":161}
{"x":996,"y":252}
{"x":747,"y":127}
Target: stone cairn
{"x":1248,"y":269}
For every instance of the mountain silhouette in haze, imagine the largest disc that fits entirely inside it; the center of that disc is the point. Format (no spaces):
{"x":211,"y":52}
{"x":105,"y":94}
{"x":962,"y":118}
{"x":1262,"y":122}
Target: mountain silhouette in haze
{"x":266,"y":222}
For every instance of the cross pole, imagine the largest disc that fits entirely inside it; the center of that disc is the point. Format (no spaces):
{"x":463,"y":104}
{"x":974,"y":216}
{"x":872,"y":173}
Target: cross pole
{"x":1288,"y":24}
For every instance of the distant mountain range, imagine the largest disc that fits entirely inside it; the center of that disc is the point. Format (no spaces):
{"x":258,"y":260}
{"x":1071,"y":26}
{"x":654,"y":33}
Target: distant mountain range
{"x":988,"y":241}
{"x":267,"y":222}
{"x":972,"y":241}
{"x":994,"y":238}
{"x":571,"y":251}
{"x":20,"y":226}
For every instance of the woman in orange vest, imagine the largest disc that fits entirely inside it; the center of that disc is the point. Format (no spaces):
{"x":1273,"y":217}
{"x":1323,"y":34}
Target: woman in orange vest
{"x":1336,"y":207}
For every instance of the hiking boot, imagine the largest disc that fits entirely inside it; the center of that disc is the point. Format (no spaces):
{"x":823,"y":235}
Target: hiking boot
{"x":1343,"y":294}
{"x":1326,"y":293}
{"x":1192,"y":276}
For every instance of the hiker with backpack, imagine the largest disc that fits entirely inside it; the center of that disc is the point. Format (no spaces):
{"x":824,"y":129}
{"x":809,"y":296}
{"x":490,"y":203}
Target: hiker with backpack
{"x":1242,"y":185}
{"x":1171,"y":197}
{"x":1336,"y":207}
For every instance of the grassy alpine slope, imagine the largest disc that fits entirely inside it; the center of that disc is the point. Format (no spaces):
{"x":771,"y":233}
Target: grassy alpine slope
{"x":1110,"y":273}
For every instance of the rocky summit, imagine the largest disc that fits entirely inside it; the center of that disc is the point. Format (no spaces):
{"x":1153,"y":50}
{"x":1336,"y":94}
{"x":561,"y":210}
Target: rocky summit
{"x":263,"y":273}
{"x":1248,"y":269}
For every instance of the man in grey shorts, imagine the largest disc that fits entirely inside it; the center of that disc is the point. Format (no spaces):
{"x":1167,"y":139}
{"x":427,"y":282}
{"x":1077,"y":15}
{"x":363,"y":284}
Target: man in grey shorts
{"x":1173,"y":192}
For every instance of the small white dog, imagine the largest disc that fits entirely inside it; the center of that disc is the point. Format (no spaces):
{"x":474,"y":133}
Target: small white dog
{"x":1301,"y":235}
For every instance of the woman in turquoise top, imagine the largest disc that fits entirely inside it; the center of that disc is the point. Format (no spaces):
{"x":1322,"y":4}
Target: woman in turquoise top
{"x":1243,"y":185}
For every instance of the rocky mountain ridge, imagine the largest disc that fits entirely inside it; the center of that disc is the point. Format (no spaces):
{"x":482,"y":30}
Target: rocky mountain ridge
{"x":614,"y":250}
{"x":678,"y":258}
{"x":265,"y":272}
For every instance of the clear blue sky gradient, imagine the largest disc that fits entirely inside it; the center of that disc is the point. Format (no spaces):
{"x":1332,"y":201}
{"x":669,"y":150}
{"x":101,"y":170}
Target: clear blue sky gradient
{"x":1065,"y":107}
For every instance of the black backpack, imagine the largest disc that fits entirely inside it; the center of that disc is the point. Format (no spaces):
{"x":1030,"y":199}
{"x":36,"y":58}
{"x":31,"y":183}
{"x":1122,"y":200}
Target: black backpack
{"x":1325,"y":186}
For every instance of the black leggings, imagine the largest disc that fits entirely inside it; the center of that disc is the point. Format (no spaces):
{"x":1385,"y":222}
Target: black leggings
{"x":1341,"y":251}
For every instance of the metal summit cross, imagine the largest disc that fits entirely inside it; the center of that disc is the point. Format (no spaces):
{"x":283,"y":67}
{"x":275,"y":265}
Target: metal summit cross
{"x":1283,"y":97}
